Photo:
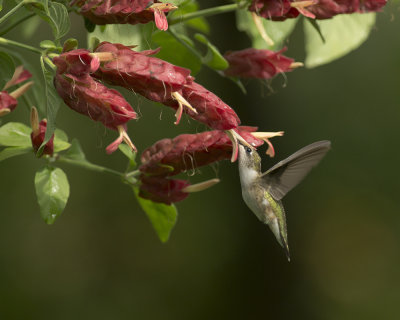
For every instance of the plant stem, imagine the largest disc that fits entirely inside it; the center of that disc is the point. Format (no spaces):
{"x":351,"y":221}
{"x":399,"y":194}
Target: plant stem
{"x":12,"y":11}
{"x":204,"y":13}
{"x":89,"y":166}
{"x":132,"y":174}
{"x":17,"y":23}
{"x":20,"y":45}
{"x":192,"y":50}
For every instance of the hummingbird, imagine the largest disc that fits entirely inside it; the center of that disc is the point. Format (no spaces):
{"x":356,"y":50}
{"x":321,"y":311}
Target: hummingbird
{"x":262,"y":192}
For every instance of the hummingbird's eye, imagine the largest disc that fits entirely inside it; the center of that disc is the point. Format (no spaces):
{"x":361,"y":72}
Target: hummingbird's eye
{"x":248,"y":150}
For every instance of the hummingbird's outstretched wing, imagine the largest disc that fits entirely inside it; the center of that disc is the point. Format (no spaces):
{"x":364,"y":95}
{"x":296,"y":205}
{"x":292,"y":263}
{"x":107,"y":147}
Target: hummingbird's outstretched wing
{"x":286,"y":174}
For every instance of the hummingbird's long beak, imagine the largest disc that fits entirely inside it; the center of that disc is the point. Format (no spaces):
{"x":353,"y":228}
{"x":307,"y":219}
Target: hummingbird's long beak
{"x":236,"y":138}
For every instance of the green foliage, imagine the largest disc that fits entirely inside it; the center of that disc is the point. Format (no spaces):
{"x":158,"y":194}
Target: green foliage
{"x":199,"y":24}
{"x":52,"y":191}
{"x":130,"y":155}
{"x":15,"y":134}
{"x":56,"y":15}
{"x":13,"y":151}
{"x":342,"y":34}
{"x":178,"y":50}
{"x":163,"y":217}
{"x":213,"y":57}
{"x":278,"y":31}
{"x":52,"y":104}
{"x":125,"y":34}
{"x":7,"y":68}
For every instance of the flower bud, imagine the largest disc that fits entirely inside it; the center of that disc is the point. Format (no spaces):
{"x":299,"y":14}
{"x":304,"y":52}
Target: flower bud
{"x":168,"y":157}
{"x":8,"y":102}
{"x":150,"y":77}
{"x":164,"y":190}
{"x":89,"y":97}
{"x":257,"y":63}
{"x":159,"y":189}
{"x":273,"y":10}
{"x":77,"y":62}
{"x":38,"y":133}
{"x":125,"y":12}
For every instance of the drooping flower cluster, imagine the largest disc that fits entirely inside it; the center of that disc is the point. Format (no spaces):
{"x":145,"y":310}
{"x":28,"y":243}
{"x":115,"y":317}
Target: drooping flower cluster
{"x":258,"y":63}
{"x":125,"y":11}
{"x":8,"y":101}
{"x":82,"y":93}
{"x":186,"y":152}
{"x":318,"y":9}
{"x":78,"y":72}
{"x":163,"y":82}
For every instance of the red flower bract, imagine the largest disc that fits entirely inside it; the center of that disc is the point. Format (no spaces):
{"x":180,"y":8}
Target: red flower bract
{"x":89,"y":97}
{"x":125,"y":11}
{"x":37,"y":138}
{"x":160,"y":189}
{"x":273,"y":9}
{"x":77,"y":62}
{"x":115,"y":11}
{"x":150,"y":77}
{"x":325,"y":9}
{"x":256,"y":63}
{"x":161,"y":81}
{"x":169,"y":157}
{"x":7,"y":103}
{"x":319,"y":9}
{"x":211,"y":110}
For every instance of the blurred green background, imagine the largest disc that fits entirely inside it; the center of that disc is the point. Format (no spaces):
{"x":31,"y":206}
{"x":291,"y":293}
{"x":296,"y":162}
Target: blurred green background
{"x":102,"y":260}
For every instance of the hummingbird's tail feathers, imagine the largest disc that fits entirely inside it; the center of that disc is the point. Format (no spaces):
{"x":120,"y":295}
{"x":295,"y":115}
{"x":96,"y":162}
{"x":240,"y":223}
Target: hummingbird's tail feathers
{"x":286,"y":248}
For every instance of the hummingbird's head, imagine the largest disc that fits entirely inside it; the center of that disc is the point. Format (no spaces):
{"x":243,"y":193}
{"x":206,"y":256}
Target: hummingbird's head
{"x":249,"y":158}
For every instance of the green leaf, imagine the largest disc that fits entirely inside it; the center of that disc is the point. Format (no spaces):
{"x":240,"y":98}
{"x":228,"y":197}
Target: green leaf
{"x":59,"y":15}
{"x":199,"y":24}
{"x":175,"y":52}
{"x":75,"y":152}
{"x":7,"y":68}
{"x":52,"y":191}
{"x":127,"y":151}
{"x":15,"y":134}
{"x":1,"y":5}
{"x":213,"y":57}
{"x":163,"y":217}
{"x":30,"y":27}
{"x":56,"y":15}
{"x":70,"y":44}
{"x":47,"y":44}
{"x":13,"y":151}
{"x":60,"y":141}
{"x":343,"y":33}
{"x":52,"y":103}
{"x":278,"y":31}
{"x":125,"y":34}
{"x":89,"y":25}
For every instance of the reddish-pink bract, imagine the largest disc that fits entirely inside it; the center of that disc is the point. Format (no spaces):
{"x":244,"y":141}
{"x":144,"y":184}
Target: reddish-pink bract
{"x":116,"y":11}
{"x":257,"y":63}
{"x":89,"y":97}
{"x":273,"y":9}
{"x":77,"y":62}
{"x":7,"y":101}
{"x":211,"y":110}
{"x":163,"y":190}
{"x":37,"y":139}
{"x":169,"y":157}
{"x":148,"y":76}
{"x":157,"y":80}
